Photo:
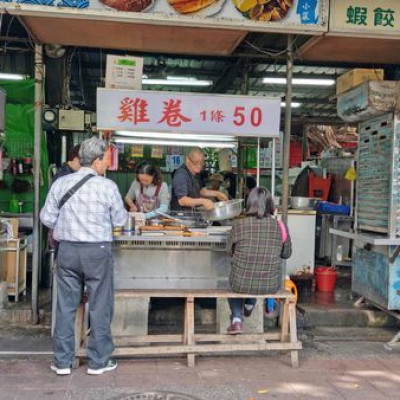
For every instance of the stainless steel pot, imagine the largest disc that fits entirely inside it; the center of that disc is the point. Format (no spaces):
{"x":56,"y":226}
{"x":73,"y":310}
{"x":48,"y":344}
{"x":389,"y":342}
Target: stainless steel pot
{"x":129,"y":224}
{"x":303,"y":203}
{"x":154,"y":222}
{"x":224,"y":210}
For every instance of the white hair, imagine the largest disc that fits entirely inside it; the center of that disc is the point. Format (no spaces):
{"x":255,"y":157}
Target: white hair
{"x":90,"y":150}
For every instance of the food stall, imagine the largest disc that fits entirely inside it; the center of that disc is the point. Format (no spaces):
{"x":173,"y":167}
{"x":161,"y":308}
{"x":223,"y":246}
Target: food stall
{"x":191,"y":254}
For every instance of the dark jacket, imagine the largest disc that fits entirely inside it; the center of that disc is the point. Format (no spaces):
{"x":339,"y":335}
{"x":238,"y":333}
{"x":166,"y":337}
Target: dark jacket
{"x":256,"y":249}
{"x":65,"y":169}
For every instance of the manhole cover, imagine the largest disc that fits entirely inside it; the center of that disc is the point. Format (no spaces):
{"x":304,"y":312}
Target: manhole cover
{"x":156,"y":396}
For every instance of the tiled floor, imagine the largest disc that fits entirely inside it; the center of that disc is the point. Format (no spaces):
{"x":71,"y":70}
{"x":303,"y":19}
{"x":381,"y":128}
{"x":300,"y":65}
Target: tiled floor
{"x":333,"y":370}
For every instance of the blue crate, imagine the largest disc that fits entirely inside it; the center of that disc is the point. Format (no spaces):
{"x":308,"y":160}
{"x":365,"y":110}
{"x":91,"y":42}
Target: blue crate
{"x":332,"y":208}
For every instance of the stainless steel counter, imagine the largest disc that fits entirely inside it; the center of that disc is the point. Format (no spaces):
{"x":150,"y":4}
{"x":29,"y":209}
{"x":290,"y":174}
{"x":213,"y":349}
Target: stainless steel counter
{"x":162,"y":262}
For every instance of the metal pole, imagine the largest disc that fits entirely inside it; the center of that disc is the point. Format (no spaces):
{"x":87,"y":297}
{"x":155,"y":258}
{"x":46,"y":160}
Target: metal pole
{"x":273,"y":157}
{"x":240,"y":158}
{"x":286,"y":137}
{"x":39,"y":76}
{"x":286,"y":140}
{"x":258,"y":161}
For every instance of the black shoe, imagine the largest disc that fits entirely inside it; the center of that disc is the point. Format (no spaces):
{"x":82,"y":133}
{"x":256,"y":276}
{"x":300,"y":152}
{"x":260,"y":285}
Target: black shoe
{"x":247,"y":312}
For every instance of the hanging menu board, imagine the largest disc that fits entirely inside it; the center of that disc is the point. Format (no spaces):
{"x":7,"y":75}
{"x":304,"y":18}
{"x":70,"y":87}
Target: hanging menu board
{"x":152,"y":111}
{"x":278,"y":15}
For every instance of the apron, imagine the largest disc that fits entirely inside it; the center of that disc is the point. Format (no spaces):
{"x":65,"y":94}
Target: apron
{"x":146,"y":203}
{"x":193,"y":192}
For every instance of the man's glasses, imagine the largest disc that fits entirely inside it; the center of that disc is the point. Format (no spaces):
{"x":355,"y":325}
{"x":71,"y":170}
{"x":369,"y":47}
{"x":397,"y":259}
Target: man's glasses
{"x":199,"y":162}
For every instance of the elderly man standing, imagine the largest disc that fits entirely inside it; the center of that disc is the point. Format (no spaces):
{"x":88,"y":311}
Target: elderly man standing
{"x":82,"y":208}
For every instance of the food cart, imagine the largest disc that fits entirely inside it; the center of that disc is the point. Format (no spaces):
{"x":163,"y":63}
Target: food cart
{"x":196,"y":260}
{"x":177,"y":263}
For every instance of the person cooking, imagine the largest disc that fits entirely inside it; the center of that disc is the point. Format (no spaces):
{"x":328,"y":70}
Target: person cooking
{"x":215,"y":182}
{"x":187,"y":192}
{"x":148,"y":193}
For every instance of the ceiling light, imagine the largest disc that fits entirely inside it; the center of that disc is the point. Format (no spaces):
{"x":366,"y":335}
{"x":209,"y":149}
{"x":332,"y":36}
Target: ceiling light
{"x":12,"y":77}
{"x":294,"y":104}
{"x":177,"y":136}
{"x":177,"y":81}
{"x":301,"y":81}
{"x":217,"y":145}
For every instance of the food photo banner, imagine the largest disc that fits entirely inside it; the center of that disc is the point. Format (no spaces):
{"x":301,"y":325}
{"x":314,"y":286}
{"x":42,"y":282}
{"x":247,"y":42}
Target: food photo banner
{"x":307,"y":15}
{"x":150,"y":111}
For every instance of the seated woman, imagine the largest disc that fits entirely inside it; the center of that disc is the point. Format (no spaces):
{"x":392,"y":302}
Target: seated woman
{"x":256,"y":246}
{"x":148,"y":193}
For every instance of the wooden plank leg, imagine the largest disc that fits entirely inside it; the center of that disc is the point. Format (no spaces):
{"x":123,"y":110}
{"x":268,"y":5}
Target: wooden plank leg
{"x":189,"y":322}
{"x":285,"y":322}
{"x":294,"y":354}
{"x":358,"y":303}
{"x":393,"y":343}
{"x":79,"y":333}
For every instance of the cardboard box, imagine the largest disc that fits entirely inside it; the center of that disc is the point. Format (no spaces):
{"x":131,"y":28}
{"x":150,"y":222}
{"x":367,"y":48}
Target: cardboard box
{"x":357,"y":76}
{"x":8,"y":260}
{"x":368,"y":100}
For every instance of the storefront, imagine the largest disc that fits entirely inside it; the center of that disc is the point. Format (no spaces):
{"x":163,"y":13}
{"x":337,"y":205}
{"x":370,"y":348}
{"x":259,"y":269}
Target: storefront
{"x":358,"y":32}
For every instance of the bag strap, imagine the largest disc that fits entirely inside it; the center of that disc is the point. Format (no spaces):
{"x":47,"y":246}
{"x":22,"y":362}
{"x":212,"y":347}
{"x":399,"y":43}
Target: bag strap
{"x":73,"y":190}
{"x":283,"y":230}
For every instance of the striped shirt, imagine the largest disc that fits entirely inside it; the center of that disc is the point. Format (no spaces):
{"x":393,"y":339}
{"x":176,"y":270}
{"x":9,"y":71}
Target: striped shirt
{"x":90,"y":214}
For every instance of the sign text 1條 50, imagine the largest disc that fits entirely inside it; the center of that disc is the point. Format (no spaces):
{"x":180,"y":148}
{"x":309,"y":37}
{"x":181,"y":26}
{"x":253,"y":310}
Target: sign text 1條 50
{"x":241,"y":114}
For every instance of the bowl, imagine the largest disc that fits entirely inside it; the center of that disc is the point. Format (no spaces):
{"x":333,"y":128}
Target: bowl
{"x":303,"y":203}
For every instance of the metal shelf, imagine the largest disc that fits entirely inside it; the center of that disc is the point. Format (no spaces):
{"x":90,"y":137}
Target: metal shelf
{"x":375,"y":239}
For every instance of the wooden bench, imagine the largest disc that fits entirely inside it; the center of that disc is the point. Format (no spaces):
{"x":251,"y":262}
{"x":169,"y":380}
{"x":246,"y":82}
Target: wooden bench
{"x":189,"y":342}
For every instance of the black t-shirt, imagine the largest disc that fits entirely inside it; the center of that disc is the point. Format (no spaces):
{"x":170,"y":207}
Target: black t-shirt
{"x":184,"y":183}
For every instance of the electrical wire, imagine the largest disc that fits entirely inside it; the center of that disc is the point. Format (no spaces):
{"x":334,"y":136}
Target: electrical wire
{"x":101,"y":68}
{"x":5,"y":41}
{"x":1,"y":22}
{"x":271,"y":52}
{"x":80,"y":78}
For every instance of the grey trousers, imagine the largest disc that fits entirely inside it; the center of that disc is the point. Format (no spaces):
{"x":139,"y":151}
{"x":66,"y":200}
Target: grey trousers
{"x":80,"y":264}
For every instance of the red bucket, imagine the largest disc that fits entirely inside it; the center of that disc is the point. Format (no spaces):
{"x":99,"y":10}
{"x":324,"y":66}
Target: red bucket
{"x":325,"y":279}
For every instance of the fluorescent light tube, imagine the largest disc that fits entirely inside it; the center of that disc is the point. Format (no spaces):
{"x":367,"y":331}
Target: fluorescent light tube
{"x":177,"y":81}
{"x":293,"y":105}
{"x":217,"y":145}
{"x":12,"y":77}
{"x":301,"y":81}
{"x":179,"y":136}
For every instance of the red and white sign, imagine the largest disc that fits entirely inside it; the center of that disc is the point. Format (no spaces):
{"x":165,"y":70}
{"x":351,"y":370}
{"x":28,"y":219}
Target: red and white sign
{"x":136,"y":110}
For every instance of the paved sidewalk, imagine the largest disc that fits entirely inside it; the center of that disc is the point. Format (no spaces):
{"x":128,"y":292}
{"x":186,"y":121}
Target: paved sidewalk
{"x":328,"y":370}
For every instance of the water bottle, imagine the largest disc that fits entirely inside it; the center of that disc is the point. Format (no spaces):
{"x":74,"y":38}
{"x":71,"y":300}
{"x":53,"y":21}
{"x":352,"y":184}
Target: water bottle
{"x":339,"y":253}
